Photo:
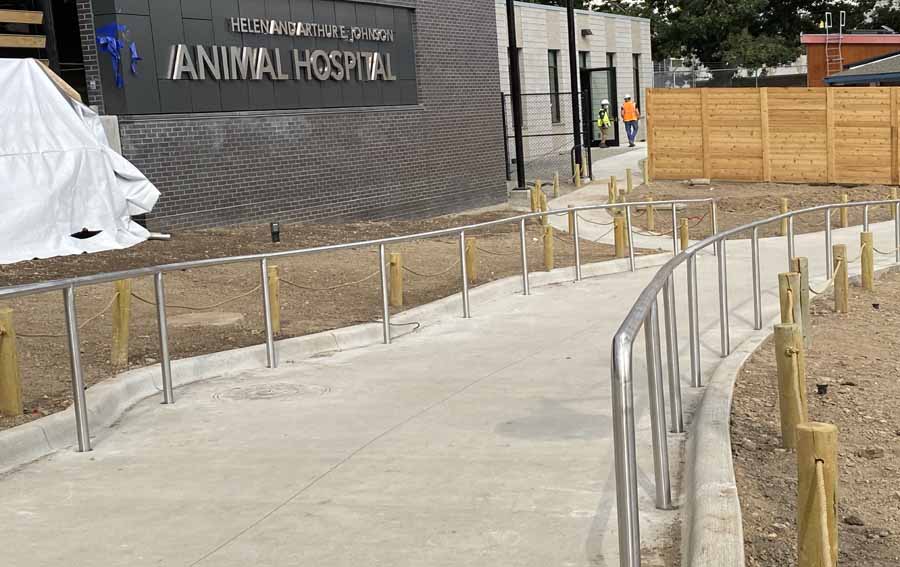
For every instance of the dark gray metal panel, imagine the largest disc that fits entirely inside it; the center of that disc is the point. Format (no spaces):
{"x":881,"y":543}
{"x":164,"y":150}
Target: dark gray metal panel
{"x":285,"y":92}
{"x":366,"y":16}
{"x":205,"y":95}
{"x":133,"y":7}
{"x":403,"y":56}
{"x":332,"y":94}
{"x":168,"y":30}
{"x":197,"y":9}
{"x":262,"y":93}
{"x":309,"y":93}
{"x":114,"y":98}
{"x":234,"y":94}
{"x":141,"y":93}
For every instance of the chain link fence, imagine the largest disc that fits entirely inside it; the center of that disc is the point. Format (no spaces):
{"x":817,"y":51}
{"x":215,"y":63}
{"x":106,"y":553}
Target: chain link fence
{"x":688,"y":77}
{"x":547,"y":135}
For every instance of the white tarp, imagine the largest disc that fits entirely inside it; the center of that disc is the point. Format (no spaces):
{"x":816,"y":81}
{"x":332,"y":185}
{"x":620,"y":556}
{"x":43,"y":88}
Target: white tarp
{"x":58,"y":174}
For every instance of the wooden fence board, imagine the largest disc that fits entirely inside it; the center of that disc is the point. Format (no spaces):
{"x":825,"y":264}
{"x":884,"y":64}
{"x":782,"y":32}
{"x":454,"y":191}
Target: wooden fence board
{"x":841,"y":135}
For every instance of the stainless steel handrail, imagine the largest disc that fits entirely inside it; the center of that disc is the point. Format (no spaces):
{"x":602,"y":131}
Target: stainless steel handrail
{"x":69,"y":285}
{"x":644,"y":313}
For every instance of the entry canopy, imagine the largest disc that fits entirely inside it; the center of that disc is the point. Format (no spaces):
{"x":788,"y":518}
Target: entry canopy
{"x":59,"y":176}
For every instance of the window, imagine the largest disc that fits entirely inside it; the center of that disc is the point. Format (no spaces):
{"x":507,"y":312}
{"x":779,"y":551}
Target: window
{"x":636,"y":60}
{"x":610,"y":59}
{"x":553,"y":67}
{"x":584,"y":59}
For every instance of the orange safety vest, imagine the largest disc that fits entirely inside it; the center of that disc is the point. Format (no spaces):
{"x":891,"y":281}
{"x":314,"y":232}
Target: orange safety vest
{"x":629,"y":111}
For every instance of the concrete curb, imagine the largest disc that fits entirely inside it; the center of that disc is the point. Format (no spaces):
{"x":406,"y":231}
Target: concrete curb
{"x":109,"y":400}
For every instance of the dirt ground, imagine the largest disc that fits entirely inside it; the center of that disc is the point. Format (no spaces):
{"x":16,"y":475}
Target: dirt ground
{"x":855,"y":355}
{"x":741,"y":203}
{"x":39,"y":322}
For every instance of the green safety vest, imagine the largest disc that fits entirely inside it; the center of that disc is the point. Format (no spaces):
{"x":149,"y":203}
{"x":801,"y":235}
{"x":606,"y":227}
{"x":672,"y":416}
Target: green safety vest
{"x":603,"y":120}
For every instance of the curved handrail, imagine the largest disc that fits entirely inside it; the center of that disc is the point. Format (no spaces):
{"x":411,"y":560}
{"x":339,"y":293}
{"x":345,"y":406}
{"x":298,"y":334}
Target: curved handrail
{"x":69,"y":285}
{"x":108,"y":277}
{"x":643,"y":313}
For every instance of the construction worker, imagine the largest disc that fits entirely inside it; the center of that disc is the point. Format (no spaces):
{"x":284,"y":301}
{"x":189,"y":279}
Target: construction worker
{"x":604,"y":122}
{"x":630,"y":116}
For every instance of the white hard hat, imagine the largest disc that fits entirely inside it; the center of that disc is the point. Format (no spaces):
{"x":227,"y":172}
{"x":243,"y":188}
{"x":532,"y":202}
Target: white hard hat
{"x":605,"y":101}
{"x":627,"y":97}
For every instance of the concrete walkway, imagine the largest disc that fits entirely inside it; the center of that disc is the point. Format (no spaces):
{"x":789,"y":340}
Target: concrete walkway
{"x":480,"y":442}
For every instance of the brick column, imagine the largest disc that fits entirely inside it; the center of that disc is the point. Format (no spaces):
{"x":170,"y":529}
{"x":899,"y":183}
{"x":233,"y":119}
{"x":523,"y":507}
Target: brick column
{"x":89,"y":52}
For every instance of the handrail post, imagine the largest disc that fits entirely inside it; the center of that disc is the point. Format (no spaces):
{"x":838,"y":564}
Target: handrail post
{"x":757,"y":288}
{"x":724,"y":322}
{"x":630,"y":229}
{"x":165,"y":361}
{"x":865,"y":218}
{"x":657,"y":410}
{"x":790,"y":242}
{"x":464,"y":274}
{"x":829,"y":259}
{"x":385,"y":306}
{"x":82,"y":431}
{"x":526,"y":289}
{"x":897,"y":232}
{"x":577,"y":245}
{"x":694,"y":320}
{"x":715,"y":218}
{"x":271,"y":355}
{"x":625,"y":461}
{"x":671,"y":318}
{"x":674,"y":229}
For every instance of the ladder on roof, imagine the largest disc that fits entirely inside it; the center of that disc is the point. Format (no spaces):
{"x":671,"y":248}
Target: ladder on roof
{"x":834,"y":55}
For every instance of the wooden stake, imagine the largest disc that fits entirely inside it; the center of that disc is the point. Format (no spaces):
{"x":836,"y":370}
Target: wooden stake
{"x":684,"y":232}
{"x":645,"y":165}
{"x":841,"y":279}
{"x":789,"y":295}
{"x":784,"y":222}
{"x":10,"y":379}
{"x":867,"y":250}
{"x":395,"y":286}
{"x":471,"y":259}
{"x":790,"y":358}
{"x":577,"y":176}
{"x":611,"y":194}
{"x":548,"y":248}
{"x":571,"y":221}
{"x":801,"y":266}
{"x":614,"y":183}
{"x":629,"y":182}
{"x":556,"y":185}
{"x":845,"y":216}
{"x":275,"y":298}
{"x":121,"y":324}
{"x":619,"y":233}
{"x":817,"y":475}
{"x":651,"y":215}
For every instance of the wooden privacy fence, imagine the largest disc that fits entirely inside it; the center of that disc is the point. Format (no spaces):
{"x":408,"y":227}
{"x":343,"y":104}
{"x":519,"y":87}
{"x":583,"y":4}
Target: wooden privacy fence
{"x":826,"y":135}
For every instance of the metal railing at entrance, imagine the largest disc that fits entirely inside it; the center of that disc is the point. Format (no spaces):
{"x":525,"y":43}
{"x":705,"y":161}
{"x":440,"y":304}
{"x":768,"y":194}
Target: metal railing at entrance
{"x":69,"y":286}
{"x":644,"y":314}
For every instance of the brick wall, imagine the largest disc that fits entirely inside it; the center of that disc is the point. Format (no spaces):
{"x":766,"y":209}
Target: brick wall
{"x":444,"y":155}
{"x":89,"y":51}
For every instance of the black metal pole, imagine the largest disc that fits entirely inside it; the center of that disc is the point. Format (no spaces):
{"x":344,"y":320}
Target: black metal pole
{"x":515,"y":85}
{"x":573,"y":74}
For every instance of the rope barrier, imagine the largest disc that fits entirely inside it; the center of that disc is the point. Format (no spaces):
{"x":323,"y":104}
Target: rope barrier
{"x":493,"y":253}
{"x":861,"y":250}
{"x":830,"y":280}
{"x":192,"y":308}
{"x":330,"y":288}
{"x":81,"y":326}
{"x":886,"y":253}
{"x":596,"y":222}
{"x":424,"y":275}
{"x":602,"y":236}
{"x":824,"y":539}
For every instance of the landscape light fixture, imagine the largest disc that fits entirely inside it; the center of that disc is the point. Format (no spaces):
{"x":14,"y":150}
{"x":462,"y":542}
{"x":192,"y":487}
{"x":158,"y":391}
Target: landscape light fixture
{"x":276,"y":232}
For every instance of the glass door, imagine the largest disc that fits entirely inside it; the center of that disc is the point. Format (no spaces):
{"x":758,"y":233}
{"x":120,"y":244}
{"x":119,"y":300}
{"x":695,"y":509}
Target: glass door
{"x":599,"y":84}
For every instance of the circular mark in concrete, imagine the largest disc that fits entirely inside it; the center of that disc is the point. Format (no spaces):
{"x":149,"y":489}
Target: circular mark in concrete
{"x":199,"y":319}
{"x":271,"y":391}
